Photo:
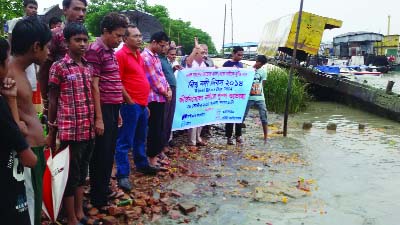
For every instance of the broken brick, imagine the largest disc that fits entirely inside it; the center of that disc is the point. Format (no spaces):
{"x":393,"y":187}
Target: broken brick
{"x":187,"y":208}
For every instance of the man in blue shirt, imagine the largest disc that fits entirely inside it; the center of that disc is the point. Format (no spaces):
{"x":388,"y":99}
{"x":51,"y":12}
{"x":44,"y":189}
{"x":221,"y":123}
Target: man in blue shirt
{"x":237,"y":55}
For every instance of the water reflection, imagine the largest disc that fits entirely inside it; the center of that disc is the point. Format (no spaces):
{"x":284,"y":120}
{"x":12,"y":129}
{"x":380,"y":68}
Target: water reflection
{"x":355,"y":173}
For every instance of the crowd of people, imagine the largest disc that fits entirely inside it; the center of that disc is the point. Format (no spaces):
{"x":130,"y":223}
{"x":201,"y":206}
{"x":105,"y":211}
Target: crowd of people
{"x":99,"y":102}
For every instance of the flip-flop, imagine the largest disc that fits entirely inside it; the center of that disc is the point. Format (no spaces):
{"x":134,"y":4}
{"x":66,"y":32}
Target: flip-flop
{"x":161,"y":168}
{"x":112,"y":194}
{"x":162,"y":156}
{"x":163,"y":162}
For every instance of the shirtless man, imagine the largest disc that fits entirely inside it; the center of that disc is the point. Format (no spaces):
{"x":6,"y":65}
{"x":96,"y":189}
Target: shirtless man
{"x":29,"y":45}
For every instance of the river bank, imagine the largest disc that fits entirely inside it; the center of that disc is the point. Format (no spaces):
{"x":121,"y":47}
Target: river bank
{"x":353,"y":174}
{"x":348,"y":176}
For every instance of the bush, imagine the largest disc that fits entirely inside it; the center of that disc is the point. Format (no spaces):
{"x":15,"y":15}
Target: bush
{"x":276,"y":88}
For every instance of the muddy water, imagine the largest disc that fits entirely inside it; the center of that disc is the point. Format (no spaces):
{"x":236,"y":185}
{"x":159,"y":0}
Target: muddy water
{"x":354,"y":175}
{"x":382,"y":81}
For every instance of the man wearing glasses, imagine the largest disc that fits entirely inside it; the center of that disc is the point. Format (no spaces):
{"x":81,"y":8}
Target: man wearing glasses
{"x":160,"y":93}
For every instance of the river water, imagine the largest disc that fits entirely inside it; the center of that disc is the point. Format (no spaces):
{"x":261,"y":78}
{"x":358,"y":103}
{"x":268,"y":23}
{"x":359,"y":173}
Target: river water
{"x":381,"y":82}
{"x":353,"y":175}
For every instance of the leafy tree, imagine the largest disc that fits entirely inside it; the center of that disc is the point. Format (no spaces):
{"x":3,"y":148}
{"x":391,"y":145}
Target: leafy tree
{"x":97,"y":9}
{"x":179,"y":31}
{"x":9,"y":9}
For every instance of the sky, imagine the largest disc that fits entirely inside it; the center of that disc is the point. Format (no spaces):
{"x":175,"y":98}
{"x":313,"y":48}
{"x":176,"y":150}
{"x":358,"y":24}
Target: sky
{"x":250,"y":16}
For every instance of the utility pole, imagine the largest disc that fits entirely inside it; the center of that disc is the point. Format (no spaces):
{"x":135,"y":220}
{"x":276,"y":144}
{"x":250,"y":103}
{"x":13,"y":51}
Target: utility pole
{"x":388,"y":29}
{"x":232,"y":21}
{"x":289,"y":88}
{"x":223,"y":35}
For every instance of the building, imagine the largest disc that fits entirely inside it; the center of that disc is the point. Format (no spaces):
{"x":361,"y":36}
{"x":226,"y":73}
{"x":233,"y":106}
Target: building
{"x":389,"y":46}
{"x":356,"y":43}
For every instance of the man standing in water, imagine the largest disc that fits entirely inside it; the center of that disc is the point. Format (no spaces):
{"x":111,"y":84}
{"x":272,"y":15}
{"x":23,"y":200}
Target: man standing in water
{"x":256,"y":97}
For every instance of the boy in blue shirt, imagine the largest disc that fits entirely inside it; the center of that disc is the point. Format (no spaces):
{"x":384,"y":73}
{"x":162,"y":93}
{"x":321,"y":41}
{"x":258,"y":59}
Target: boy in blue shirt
{"x":256,"y":97}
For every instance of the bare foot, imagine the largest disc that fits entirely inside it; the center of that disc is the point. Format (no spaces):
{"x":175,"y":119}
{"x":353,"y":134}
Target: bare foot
{"x":153,"y":161}
{"x":73,"y":222}
{"x":165,"y":149}
{"x":79,"y":215}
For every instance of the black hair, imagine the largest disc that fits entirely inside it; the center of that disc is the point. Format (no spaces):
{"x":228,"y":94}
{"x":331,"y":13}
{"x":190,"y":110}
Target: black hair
{"x":4,"y":48}
{"x":171,"y":48}
{"x":127,"y":31}
{"x":67,"y":3}
{"x":26,"y":32}
{"x":54,"y":20}
{"x":27,"y":2}
{"x":159,"y":36}
{"x":113,"y":21}
{"x":72,"y":29}
{"x":237,"y":49}
{"x":262,"y":59}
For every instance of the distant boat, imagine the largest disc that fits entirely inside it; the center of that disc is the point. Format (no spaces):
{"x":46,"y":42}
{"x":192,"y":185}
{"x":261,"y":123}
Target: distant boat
{"x":348,"y":70}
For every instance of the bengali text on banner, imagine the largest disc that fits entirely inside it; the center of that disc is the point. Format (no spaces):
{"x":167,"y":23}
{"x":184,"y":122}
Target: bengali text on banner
{"x":211,"y":96}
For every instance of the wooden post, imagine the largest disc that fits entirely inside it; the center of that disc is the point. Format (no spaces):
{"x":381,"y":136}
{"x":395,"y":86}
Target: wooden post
{"x":389,"y":87}
{"x":291,"y":70}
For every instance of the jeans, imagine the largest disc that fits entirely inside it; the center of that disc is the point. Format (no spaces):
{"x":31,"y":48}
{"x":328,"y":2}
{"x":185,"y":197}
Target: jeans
{"x":262,"y":110}
{"x":103,"y":155}
{"x":132,"y":135}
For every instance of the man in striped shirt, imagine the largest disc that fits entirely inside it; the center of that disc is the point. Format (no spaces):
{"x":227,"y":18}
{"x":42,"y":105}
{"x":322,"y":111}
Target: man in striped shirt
{"x":107,"y":95}
{"x":160,"y":92}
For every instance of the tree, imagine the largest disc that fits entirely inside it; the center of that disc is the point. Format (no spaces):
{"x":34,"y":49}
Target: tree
{"x":179,"y":31}
{"x":9,"y":9}
{"x":97,"y":9}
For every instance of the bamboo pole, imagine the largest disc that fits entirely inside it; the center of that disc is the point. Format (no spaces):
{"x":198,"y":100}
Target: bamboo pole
{"x":223,"y":35}
{"x":291,"y":70}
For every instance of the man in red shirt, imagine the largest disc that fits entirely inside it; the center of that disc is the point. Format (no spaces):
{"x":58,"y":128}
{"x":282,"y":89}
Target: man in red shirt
{"x":134,"y":111}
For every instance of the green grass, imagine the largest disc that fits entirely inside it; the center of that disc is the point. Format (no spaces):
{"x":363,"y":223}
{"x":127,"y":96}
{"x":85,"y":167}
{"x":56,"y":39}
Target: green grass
{"x":276,"y":88}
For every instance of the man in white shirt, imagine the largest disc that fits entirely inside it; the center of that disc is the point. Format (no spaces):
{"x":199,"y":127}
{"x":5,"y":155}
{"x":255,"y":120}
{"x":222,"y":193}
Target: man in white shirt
{"x":196,"y":60}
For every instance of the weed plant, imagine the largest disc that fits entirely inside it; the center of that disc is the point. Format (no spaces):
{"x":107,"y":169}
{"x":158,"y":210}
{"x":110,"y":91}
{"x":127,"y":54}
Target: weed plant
{"x":276,"y":88}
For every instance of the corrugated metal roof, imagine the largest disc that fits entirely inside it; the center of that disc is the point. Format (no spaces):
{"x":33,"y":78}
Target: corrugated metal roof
{"x":356,"y":33}
{"x":358,"y":37}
